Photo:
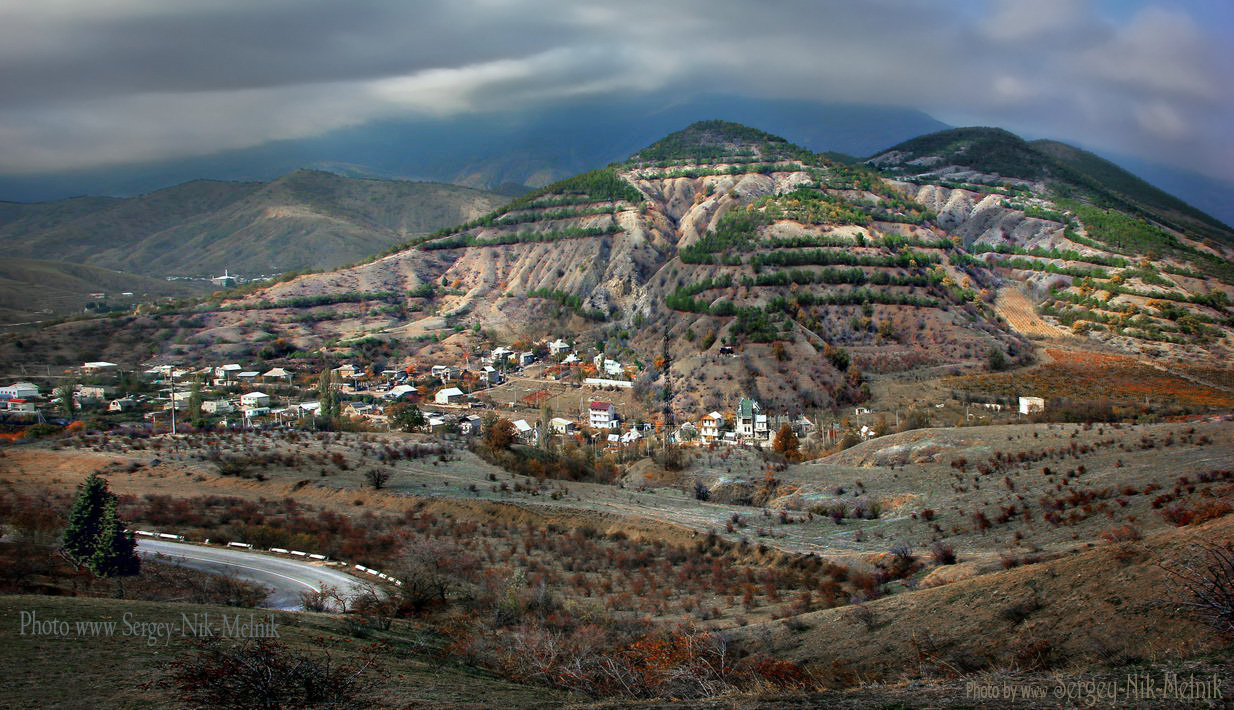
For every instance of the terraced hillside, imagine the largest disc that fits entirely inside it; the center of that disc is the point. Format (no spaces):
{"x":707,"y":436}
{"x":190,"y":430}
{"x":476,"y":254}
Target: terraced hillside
{"x":723,"y":261}
{"x":1132,"y":273}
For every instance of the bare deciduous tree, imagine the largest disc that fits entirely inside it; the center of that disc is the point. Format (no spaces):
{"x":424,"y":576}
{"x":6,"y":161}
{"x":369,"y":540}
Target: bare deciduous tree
{"x":1205,"y":585}
{"x":432,"y":571}
{"x":377,"y":478}
{"x":269,"y":674}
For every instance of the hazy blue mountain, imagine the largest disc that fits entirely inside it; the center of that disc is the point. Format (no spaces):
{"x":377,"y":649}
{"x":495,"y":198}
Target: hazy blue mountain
{"x":1213,"y":195}
{"x":496,"y":151}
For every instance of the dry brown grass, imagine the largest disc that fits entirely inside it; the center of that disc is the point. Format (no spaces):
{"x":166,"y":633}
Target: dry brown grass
{"x":1099,"y":607}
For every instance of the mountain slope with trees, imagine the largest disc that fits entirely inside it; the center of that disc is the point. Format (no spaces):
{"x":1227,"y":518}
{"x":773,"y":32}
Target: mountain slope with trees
{"x":996,"y":152}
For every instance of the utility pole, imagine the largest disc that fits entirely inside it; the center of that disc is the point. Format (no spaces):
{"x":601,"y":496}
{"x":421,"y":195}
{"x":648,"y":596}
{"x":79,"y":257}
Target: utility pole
{"x":172,"y":375}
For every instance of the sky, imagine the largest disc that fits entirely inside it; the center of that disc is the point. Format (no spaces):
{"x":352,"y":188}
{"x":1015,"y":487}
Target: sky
{"x":88,"y":83}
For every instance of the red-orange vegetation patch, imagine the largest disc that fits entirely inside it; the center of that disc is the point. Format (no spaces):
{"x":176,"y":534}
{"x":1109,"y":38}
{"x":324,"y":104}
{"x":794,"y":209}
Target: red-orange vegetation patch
{"x":1082,"y":374}
{"x":535,"y":398}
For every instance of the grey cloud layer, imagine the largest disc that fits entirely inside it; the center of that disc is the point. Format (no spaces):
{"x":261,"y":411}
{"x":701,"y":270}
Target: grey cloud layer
{"x":87,"y":83}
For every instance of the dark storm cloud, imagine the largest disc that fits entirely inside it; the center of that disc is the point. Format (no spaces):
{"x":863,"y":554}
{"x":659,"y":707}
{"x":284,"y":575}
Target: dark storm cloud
{"x":85,"y":83}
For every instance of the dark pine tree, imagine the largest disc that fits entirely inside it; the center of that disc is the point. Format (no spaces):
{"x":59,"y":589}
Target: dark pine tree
{"x":85,"y":518}
{"x":115,"y":555}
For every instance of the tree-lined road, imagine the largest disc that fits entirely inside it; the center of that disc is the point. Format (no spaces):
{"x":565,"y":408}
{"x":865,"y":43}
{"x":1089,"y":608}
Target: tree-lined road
{"x":286,"y":578}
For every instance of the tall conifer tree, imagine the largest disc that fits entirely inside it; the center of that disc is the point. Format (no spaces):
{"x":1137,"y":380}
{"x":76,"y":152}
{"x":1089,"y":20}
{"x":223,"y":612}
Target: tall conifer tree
{"x":115,"y":554}
{"x":85,"y":519}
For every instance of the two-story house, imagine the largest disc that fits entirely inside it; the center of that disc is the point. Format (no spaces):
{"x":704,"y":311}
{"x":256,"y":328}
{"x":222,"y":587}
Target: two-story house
{"x":602,"y":415}
{"x":710,"y":426}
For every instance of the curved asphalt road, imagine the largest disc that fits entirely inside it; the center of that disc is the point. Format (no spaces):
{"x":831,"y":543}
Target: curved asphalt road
{"x":285,"y":578}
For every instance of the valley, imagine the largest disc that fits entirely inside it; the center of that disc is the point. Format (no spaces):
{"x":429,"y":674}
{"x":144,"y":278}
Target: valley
{"x":172,"y":242}
{"x":728,"y":422}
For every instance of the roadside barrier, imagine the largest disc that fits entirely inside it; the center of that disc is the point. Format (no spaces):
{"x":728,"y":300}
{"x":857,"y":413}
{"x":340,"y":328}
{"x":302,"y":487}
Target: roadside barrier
{"x":279,"y":551}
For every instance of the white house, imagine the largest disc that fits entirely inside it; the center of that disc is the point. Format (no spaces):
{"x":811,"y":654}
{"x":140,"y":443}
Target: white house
{"x":277,"y":373}
{"x":217,"y":406}
{"x":558,"y":347}
{"x":19,"y":390}
{"x":602,"y":415}
{"x":227,"y":371}
{"x":121,"y":405}
{"x":97,"y":366}
{"x":450,"y":395}
{"x":709,"y":428}
{"x":19,"y":405}
{"x":523,"y":430}
{"x":227,"y":280}
{"x":604,"y":366}
{"x":444,"y":372}
{"x":399,"y":391}
{"x":93,"y":393}
{"x":347,"y":371}
{"x":470,"y":424}
{"x":1030,"y":405}
{"x":571,"y":359}
{"x":631,"y":437}
{"x":559,"y":425}
{"x":500,"y":355}
{"x":526,"y":358}
{"x":491,"y":375}
{"x":254,"y":400}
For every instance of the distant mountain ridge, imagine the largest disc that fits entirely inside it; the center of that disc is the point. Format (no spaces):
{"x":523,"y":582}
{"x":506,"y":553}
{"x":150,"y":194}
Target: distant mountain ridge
{"x":58,"y":253}
{"x":304,"y":220}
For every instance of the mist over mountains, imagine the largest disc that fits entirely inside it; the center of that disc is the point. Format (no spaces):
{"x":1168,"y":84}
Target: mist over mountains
{"x":531,"y":147}
{"x":512,"y":151}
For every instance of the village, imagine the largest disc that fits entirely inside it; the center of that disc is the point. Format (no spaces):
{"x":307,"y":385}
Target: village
{"x":545,"y":392}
